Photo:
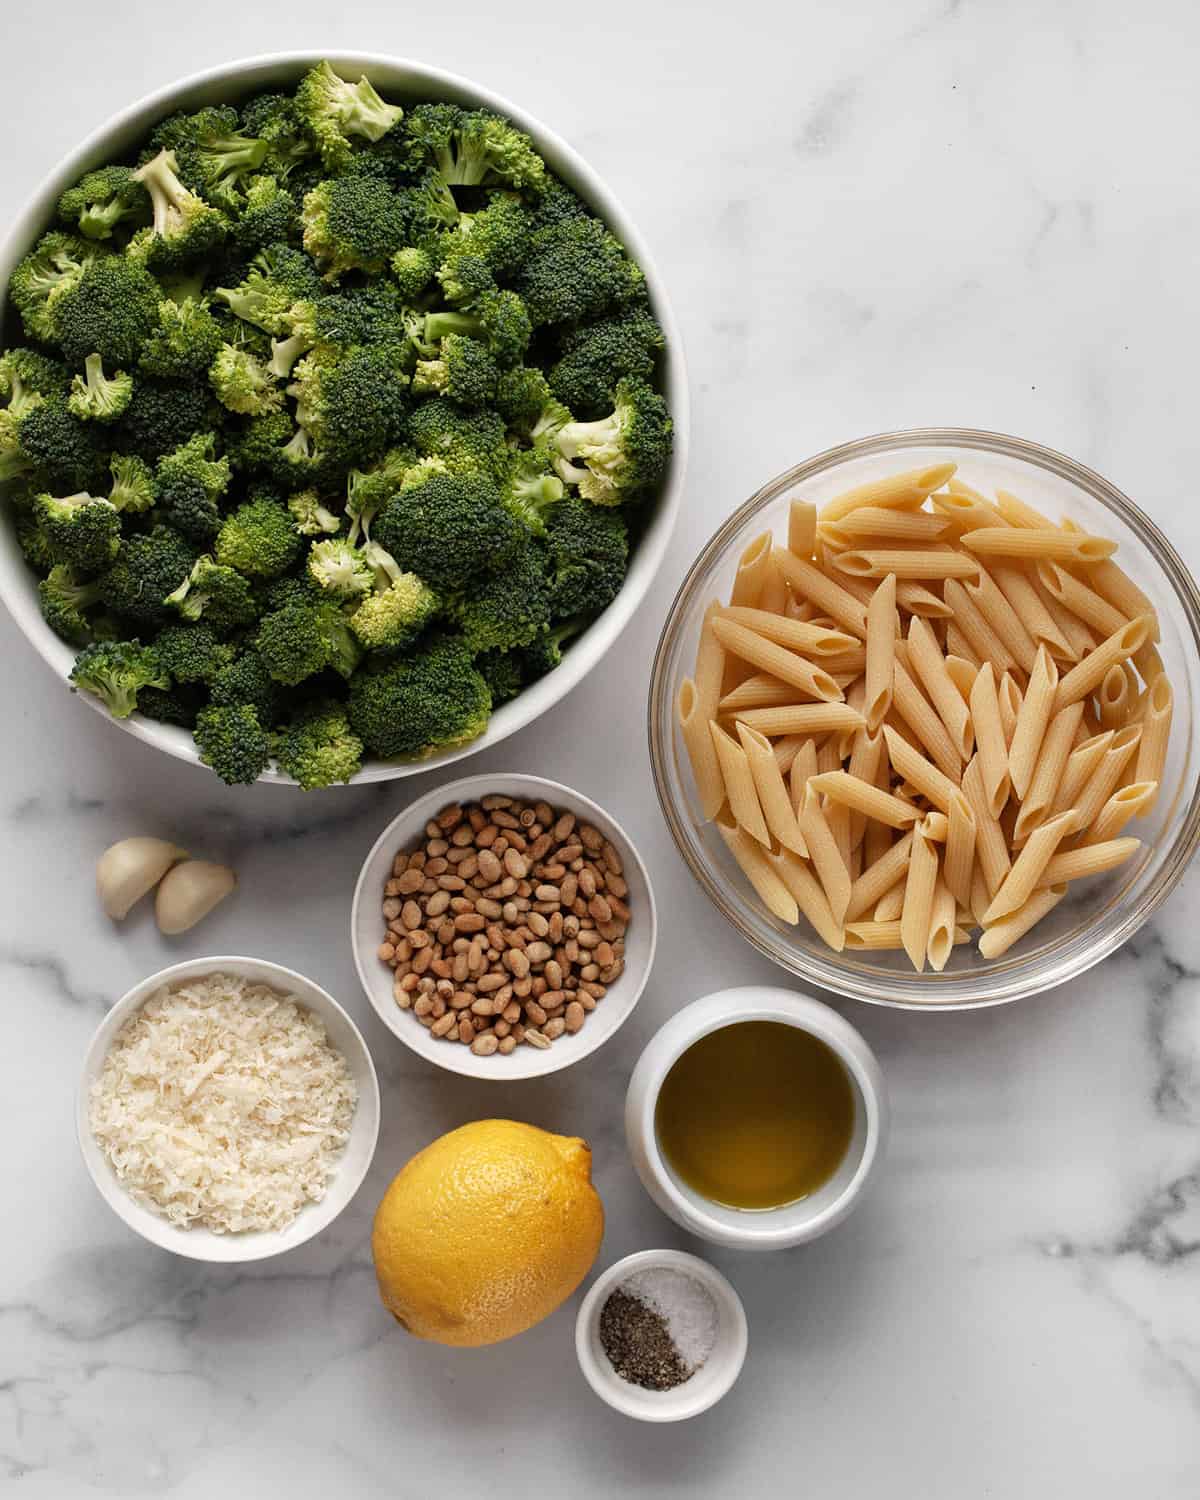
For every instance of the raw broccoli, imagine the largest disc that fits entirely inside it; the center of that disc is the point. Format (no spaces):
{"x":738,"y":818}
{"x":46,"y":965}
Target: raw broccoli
{"x":275,"y":119}
{"x":102,"y":200}
{"x":184,"y":341}
{"x":184,"y":225}
{"x":116,"y":671}
{"x":467,"y":442}
{"x":270,"y":212}
{"x":80,"y":530}
{"x":545,"y":653}
{"x":146,"y":570}
{"x":213,"y":155}
{"x":413,"y":269}
{"x":242,"y":383}
{"x":411,"y":706}
{"x":531,"y":489}
{"x":192,"y":652}
{"x":431,"y":207}
{"x":623,"y":454}
{"x":259,"y":539}
{"x":233,"y":743}
{"x":50,"y":438}
{"x":473,"y":148}
{"x":351,"y":406}
{"x":52,"y":267}
{"x":27,"y":377}
{"x":99,"y":397}
{"x":371,"y":315}
{"x":219,"y":595}
{"x":333,"y":110}
{"x":353,"y":224}
{"x":556,"y":204}
{"x":448,"y":530}
{"x":398,"y":609}
{"x":339,"y":569}
{"x":110,"y":310}
{"x":501,"y":670}
{"x":589,"y":551}
{"x":310,"y":515}
{"x":279,"y":275}
{"x":370,"y":489}
{"x":500,"y":319}
{"x":64,"y":600}
{"x":35,"y":548}
{"x":508,"y":609}
{"x":576,"y":270}
{"x":522,"y":394}
{"x":174,"y":705}
{"x":132,"y":489}
{"x":464,"y":278}
{"x":190,"y":482}
{"x":317,"y":747}
{"x":598,"y":356}
{"x":162,"y":415}
{"x":463,"y":370}
{"x":498,"y":234}
{"x":247,"y":681}
{"x":277,"y":593}
{"x":302,"y":639}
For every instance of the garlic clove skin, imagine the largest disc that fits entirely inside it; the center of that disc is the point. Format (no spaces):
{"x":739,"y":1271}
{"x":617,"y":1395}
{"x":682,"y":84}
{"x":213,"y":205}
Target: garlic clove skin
{"x":189,"y":892}
{"x":129,"y":869}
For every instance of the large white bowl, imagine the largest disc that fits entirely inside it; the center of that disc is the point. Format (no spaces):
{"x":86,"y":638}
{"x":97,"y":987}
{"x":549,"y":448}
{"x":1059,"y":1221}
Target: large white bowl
{"x":401,"y":80}
{"x":349,"y":1170}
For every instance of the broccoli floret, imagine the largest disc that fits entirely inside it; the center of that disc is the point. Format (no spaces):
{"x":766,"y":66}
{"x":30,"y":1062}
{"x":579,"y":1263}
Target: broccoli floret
{"x":64,"y":600}
{"x":162,"y":415}
{"x":339,"y":569}
{"x":233,"y":743}
{"x":522,"y":395}
{"x":589,"y":550}
{"x":334,"y":110}
{"x":545,"y":653}
{"x":213,"y":154}
{"x":398,"y":609}
{"x":501,"y":670}
{"x":278,"y":276}
{"x":275,"y":119}
{"x":190,"y":483}
{"x":411,"y":706}
{"x":80,"y":530}
{"x":368,"y":490}
{"x":466,"y":442}
{"x":99,"y":397}
{"x":132,"y":489}
{"x":508,"y":609}
{"x":184,"y":341}
{"x":499,"y":319}
{"x":576,"y":270}
{"x":259,"y":539}
{"x":247,"y":681}
{"x":52,"y":439}
{"x":463,"y":370}
{"x":243,"y":383}
{"x":146,"y":570}
{"x":102,"y":200}
{"x":27,"y":377}
{"x":448,"y":530}
{"x":277,"y":593}
{"x":310,"y":516}
{"x":624,"y":453}
{"x":431,"y":207}
{"x":353,"y":224}
{"x":413,"y":269}
{"x":184,"y":226}
{"x":302,"y":639}
{"x":174,"y":705}
{"x":531,"y":489}
{"x":219,"y":595}
{"x":464,"y":278}
{"x":270,"y":212}
{"x":52,"y":268}
{"x":558,"y":203}
{"x":596,"y":358}
{"x":473,"y":148}
{"x":116,"y":671}
{"x":110,"y":310}
{"x":498,"y":234}
{"x":318,"y":747}
{"x":352,"y":406}
{"x":35,"y":548}
{"x":192,"y":652}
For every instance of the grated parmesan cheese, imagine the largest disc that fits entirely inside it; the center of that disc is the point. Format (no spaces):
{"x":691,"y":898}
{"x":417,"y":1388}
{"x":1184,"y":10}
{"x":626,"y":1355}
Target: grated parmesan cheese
{"x":222,"y":1104}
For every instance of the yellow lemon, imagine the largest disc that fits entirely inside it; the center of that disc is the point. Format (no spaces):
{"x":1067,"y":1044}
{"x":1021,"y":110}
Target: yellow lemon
{"x":486,"y":1231}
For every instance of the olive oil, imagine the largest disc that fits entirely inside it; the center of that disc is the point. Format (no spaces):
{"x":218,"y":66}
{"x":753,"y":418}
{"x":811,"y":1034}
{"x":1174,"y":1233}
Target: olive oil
{"x":756,"y":1115}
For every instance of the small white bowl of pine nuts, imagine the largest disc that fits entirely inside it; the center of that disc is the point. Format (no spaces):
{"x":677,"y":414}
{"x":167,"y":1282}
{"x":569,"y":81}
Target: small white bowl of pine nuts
{"x":503,"y":926}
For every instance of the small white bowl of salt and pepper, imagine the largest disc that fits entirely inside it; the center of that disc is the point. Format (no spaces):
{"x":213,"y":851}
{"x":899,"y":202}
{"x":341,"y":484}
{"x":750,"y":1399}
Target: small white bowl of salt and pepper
{"x":661,"y":1336}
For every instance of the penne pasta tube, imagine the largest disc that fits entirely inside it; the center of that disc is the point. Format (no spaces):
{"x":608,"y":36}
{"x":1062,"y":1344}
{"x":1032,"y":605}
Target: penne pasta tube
{"x":942,"y":926}
{"x":802,"y":528}
{"x":998,"y":939}
{"x":697,"y":739}
{"x":740,"y":790}
{"x":915,"y":562}
{"x":966,"y":508}
{"x":985,"y":644}
{"x":937,"y":827}
{"x":752,"y":571}
{"x":909,"y":488}
{"x":1116,"y":696}
{"x":980,"y":895}
{"x":1147,"y":663}
{"x":882,"y":626}
{"x":890,"y":905}
{"x":959,"y":861}
{"x":878,"y":878}
{"x":829,"y":756}
{"x":1026,"y":603}
{"x":1156,"y":731}
{"x":1022,"y":880}
{"x":1112,"y":583}
{"x":985,"y":594}
{"x":798,"y":635}
{"x":1049,"y":771}
{"x":827,"y":861}
{"x":898,"y":525}
{"x":804,"y":766}
{"x":1010,"y":698}
{"x":916,"y":917}
{"x":773,"y":596}
{"x":759,"y":871}
{"x":1091,"y":859}
{"x":962,"y":674}
{"x":785,"y":751}
{"x":760,"y":691}
{"x":1132,"y":801}
{"x":866,"y":757}
{"x":1032,"y":720}
{"x":799,"y":609}
{"x":931,"y":733}
{"x":1015,"y":512}
{"x":1088,"y":674}
{"x":778,"y":661}
{"x":877,"y":837}
{"x":802,"y":718}
{"x":991,"y":846}
{"x":1036,"y":544}
{"x":990,"y":740}
{"x":958,"y":645}
{"x":773,"y":797}
{"x":807,"y":580}
{"x":1107,"y":776}
{"x":1081,"y":764}
{"x":1092,"y":608}
{"x":919,"y":600}
{"x":862,"y":797}
{"x":912,"y":766}
{"x":837,"y":820}
{"x":929,"y":664}
{"x":863,"y":937}
{"x":809,"y":897}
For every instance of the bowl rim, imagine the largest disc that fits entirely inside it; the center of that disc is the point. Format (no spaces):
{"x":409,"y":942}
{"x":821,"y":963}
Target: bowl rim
{"x":592,"y":645}
{"x":524,"y":1062}
{"x":262,"y":1245}
{"x":830,"y":973}
{"x":673,"y":1405}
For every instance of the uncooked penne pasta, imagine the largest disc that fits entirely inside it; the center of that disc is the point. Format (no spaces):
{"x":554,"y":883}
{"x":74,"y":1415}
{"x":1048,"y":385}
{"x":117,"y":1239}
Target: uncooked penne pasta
{"x":1112,"y":582}
{"x":829,"y":755}
{"x":897,"y":525}
{"x":774,"y":595}
{"x":802,"y":528}
{"x":1028,"y":543}
{"x":1073,"y":594}
{"x":740,"y":790}
{"x":806,"y":579}
{"x":991,"y":846}
{"x":958,"y":645}
{"x":929,"y":665}
{"x":1091,"y":859}
{"x":1000,"y":937}
{"x":905,"y":562}
{"x":962,"y":674}
{"x":980,"y":895}
{"x":1017,"y":587}
{"x":863,"y":937}
{"x":919,"y":600}
{"x":1115,"y":696}
{"x":778,"y":661}
{"x":804,"y":766}
{"x":1132,"y":801}
{"x":1108,"y":775}
{"x":759,"y":871}
{"x":911,"y":765}
{"x":959,"y":859}
{"x":891,"y":904}
{"x":826,"y":859}
{"x":966,"y":508}
{"x":1033,"y":718}
{"x":917,"y":915}
{"x":1048,"y":773}
{"x":808,"y":895}
{"x":803,"y":718}
{"x":919,"y":715}
{"x":815,"y":641}
{"x":752,"y":571}
{"x":985,"y":594}
{"x":785,"y":750}
{"x":1016,"y":512}
{"x":909,"y":488}
{"x":867,"y":753}
{"x":985,"y":644}
{"x":1087,"y":675}
{"x":1081,"y":763}
{"x":837,"y":820}
{"x":697,"y":738}
{"x":862,"y":797}
{"x":878,"y":878}
{"x":990,"y":740}
{"x":760,"y":691}
{"x":877,"y":837}
{"x":1147,"y":663}
{"x":941,"y":926}
{"x":882,"y":626}
{"x":1156,"y":730}
{"x":773,"y":799}
{"x":1022,"y":880}
{"x":1010,"y":698}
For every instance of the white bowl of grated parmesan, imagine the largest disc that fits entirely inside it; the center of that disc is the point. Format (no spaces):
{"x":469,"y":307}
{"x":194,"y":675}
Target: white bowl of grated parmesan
{"x":228,"y":1109}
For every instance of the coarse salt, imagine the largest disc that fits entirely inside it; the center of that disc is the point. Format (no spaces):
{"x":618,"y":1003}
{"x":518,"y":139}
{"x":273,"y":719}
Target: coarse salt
{"x":684,"y":1304}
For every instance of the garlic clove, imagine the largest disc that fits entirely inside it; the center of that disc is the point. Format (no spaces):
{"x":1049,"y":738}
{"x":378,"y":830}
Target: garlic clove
{"x":189,"y":892}
{"x":127,"y":870}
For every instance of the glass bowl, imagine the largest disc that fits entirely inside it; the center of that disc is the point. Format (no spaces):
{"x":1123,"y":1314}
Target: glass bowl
{"x":1098,"y":914}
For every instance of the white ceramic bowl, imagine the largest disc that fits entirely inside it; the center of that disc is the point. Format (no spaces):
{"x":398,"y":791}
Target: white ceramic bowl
{"x":770,"y":1229}
{"x":402,"y":80}
{"x":710,"y":1382}
{"x":367,"y":928}
{"x":352,"y":1164}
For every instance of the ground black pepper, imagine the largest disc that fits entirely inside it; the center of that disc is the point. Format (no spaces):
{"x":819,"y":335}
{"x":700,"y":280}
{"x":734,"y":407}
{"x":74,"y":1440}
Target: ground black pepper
{"x":639,"y":1344}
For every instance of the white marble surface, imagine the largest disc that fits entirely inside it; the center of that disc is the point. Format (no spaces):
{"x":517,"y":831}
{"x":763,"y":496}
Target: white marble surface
{"x":873,"y":213}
